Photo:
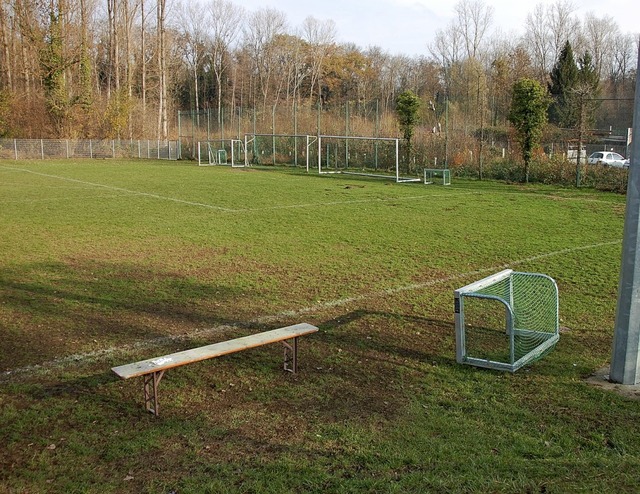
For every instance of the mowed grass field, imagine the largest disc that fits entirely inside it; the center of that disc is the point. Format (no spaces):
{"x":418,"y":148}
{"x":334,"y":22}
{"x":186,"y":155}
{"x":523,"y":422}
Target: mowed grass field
{"x":108,"y":262}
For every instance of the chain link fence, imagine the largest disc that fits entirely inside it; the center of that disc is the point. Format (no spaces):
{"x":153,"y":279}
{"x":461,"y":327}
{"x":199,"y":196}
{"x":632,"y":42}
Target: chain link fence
{"x":20,"y":149}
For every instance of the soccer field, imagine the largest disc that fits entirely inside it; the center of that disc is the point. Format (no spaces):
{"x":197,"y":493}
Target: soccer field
{"x":107,"y":262}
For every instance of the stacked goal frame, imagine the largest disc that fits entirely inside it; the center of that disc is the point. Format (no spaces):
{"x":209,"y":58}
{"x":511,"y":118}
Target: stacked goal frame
{"x":377,"y":157}
{"x":229,"y":152}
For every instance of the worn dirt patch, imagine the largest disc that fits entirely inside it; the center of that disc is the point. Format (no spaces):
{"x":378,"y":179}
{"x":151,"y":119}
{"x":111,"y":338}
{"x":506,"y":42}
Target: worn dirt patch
{"x":601,"y":380}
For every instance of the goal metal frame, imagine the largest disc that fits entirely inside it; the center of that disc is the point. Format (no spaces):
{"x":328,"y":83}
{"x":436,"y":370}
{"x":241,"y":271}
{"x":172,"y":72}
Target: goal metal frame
{"x":430,"y":175}
{"x":239,"y":155}
{"x":214,"y":153}
{"x":251,"y":138}
{"x":519,"y":294}
{"x":395,"y":142}
{"x":218,"y":151}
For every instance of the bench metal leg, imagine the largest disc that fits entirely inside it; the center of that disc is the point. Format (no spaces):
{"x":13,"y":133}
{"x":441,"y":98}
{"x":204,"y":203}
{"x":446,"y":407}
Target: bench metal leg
{"x":151,"y":382}
{"x":291,"y":355}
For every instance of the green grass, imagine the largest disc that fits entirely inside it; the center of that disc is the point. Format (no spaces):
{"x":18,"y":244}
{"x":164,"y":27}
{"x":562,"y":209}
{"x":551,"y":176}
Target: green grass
{"x":107,"y":262}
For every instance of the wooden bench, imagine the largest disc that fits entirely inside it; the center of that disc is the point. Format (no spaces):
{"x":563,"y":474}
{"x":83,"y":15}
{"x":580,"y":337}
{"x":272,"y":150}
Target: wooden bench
{"x":153,"y":369}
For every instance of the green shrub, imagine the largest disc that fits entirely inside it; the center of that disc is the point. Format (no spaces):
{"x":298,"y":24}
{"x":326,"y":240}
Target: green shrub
{"x":546,"y":170}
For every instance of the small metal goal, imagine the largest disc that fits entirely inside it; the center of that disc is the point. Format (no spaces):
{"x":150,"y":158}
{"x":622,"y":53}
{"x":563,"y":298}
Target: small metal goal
{"x":506,"y":320}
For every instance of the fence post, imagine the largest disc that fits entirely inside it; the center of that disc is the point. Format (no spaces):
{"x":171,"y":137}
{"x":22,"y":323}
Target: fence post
{"x":15,"y":148}
{"x":42,"y":148}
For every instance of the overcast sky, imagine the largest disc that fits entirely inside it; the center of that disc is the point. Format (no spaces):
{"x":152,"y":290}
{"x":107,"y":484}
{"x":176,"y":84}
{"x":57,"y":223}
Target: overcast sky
{"x":407,"y":26}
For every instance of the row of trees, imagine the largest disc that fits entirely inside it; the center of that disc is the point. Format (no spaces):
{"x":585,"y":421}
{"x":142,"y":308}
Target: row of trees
{"x":80,"y":68}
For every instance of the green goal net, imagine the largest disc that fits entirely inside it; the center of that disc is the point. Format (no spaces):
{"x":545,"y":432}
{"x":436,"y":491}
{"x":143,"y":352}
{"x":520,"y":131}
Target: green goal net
{"x":506,"y":320}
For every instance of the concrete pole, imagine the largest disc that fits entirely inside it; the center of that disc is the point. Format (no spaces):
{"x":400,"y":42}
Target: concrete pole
{"x":625,"y":359}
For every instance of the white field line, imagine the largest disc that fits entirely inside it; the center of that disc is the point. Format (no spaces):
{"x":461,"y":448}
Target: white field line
{"x":230,"y":210}
{"x":280,"y":207}
{"x":62,"y":362}
{"x":352,"y":201}
{"x":134,"y":192}
{"x":40,"y":186}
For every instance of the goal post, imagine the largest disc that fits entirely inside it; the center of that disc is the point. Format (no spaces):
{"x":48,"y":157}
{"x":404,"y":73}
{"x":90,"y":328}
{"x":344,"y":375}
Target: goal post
{"x":431,"y":174}
{"x":506,"y":320}
{"x":215,"y":152}
{"x":377,"y":157}
{"x":278,"y":149}
{"x":238,"y":153}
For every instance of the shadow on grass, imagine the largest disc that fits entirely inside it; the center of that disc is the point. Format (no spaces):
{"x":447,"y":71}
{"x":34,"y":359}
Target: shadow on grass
{"x":61,"y":308}
{"x":413,"y":338}
{"x":353,"y":368}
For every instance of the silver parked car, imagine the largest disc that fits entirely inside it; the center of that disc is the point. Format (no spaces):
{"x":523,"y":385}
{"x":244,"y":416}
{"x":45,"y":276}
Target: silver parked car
{"x":608,"y":158}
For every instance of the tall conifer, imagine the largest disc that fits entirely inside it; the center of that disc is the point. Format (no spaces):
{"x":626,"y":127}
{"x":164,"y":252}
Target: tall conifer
{"x":564,"y":78}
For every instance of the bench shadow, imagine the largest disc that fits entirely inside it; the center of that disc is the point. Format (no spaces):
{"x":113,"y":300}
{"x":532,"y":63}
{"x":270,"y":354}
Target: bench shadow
{"x":410,"y":346}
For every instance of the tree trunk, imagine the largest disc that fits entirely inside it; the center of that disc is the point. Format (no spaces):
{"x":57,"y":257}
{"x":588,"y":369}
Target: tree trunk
{"x":143,"y":68}
{"x":162,"y":97}
{"x":6,"y":79}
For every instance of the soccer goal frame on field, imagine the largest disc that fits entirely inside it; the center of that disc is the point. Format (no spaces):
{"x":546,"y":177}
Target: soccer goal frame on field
{"x":278,"y":149}
{"x":220,"y":151}
{"x":506,"y":320}
{"x":377,"y":157}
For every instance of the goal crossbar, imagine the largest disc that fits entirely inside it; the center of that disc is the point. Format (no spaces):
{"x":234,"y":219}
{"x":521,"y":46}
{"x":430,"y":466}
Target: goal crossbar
{"x":252,"y":139}
{"x":392,"y":141}
{"x":529,"y":302}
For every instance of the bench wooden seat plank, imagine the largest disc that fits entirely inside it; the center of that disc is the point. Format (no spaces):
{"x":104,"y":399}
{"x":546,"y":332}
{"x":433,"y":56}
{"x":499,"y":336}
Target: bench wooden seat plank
{"x":153,"y":369}
{"x":211,"y":351}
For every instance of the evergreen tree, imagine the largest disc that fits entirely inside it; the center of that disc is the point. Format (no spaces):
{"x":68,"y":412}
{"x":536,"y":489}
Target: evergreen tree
{"x":407,"y":109}
{"x":584,"y":103}
{"x":529,"y":116}
{"x":587,"y":90}
{"x":564,"y":77}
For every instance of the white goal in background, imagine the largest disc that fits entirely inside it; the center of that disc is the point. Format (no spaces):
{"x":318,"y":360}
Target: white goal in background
{"x":278,"y":149}
{"x":366,"y":156}
{"x":229,"y":152}
{"x":211,"y":153}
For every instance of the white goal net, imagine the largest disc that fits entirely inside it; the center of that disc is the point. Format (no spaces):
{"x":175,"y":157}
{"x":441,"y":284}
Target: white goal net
{"x":367,"y":156}
{"x":278,"y":149}
{"x":230,"y":152}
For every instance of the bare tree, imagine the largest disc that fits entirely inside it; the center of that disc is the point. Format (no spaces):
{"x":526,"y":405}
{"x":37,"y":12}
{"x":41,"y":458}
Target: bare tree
{"x":474,"y":20}
{"x":6,"y":69}
{"x":391,"y":75}
{"x":320,"y":36}
{"x":114,"y":47}
{"x":261,"y":28}
{"x":446,"y":51}
{"x":600,"y":34}
{"x":623,"y":47}
{"x":548,"y":28}
{"x":225,"y":20}
{"x":538,"y":41}
{"x":161,"y":13}
{"x":292,"y":67}
{"x":193,"y":30}
{"x":563,"y":27}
